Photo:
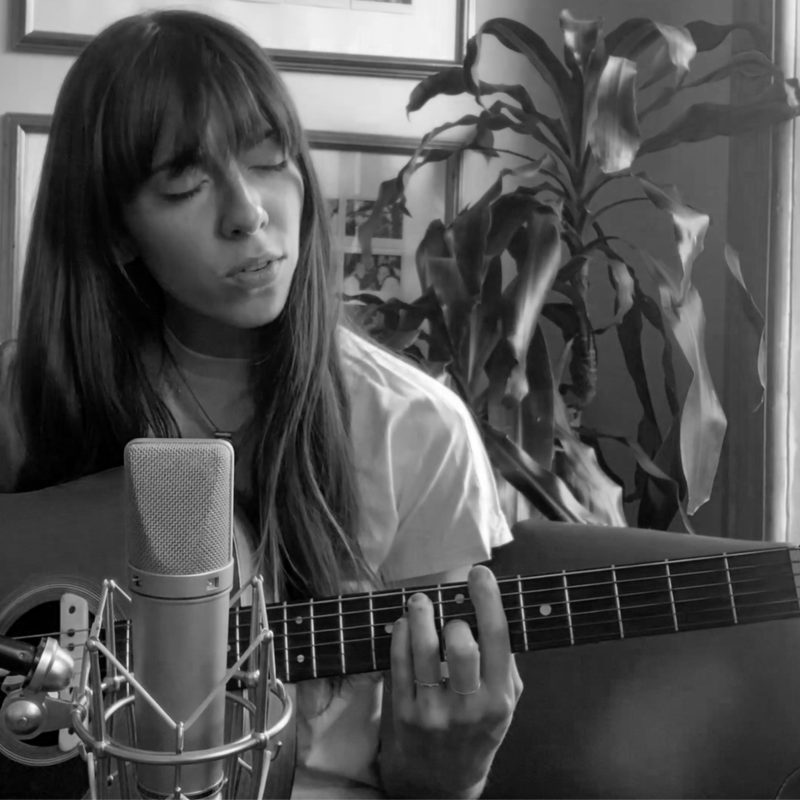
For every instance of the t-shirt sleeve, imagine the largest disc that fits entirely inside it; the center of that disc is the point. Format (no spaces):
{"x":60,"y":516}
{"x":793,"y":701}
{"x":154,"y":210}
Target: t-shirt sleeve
{"x":10,"y":440}
{"x":448,"y":509}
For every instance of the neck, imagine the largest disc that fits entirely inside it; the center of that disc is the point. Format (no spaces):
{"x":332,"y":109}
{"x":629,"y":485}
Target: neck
{"x":209,"y":337}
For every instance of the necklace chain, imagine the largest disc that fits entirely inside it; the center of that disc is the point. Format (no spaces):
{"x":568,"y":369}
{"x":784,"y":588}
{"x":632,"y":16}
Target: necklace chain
{"x":217,"y":431}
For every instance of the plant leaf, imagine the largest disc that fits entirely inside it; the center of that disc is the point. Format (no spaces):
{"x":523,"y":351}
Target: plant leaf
{"x":623,"y":283}
{"x":536,"y":275}
{"x":690,"y":227}
{"x":614,"y":135}
{"x":449,"y":81}
{"x":544,"y":489}
{"x":750,"y":64}
{"x":520,"y":38}
{"x":709,"y":36}
{"x":752,"y":312}
{"x":537,"y":425}
{"x":703,"y":422}
{"x":577,"y":465}
{"x":705,"y":120}
{"x":433,"y":245}
{"x":581,"y":38}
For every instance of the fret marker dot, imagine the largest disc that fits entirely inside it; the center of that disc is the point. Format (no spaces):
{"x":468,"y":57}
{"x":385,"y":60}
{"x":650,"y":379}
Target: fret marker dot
{"x":460,"y":598}
{"x":301,"y":658}
{"x":545,"y":610}
{"x":298,"y":620}
{"x":389,"y":628}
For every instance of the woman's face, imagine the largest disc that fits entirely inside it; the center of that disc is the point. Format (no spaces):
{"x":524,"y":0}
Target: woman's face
{"x":221,"y":241}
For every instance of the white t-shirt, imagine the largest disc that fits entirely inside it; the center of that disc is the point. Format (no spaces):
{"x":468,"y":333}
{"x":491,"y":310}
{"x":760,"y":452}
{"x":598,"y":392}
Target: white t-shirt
{"x":430,"y":505}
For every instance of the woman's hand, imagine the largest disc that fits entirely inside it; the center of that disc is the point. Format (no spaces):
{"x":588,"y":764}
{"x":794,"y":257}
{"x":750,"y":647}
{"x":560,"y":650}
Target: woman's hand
{"x":445,"y":733}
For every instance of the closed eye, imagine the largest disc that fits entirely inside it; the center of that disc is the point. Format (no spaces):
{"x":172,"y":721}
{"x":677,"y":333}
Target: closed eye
{"x":185,"y":195}
{"x":281,"y":165}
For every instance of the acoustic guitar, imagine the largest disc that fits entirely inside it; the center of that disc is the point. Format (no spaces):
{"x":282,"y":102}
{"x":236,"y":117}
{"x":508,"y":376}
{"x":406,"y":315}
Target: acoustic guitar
{"x":61,"y":542}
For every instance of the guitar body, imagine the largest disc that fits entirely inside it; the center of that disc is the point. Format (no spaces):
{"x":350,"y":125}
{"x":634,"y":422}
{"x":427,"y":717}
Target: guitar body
{"x":708,"y":713}
{"x":711,"y":713}
{"x":64,"y":539}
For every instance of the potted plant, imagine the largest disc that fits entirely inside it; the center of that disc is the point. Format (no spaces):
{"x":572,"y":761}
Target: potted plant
{"x":547,"y":216}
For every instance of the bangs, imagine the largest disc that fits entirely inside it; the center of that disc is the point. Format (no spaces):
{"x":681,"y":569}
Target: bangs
{"x":159,"y":108}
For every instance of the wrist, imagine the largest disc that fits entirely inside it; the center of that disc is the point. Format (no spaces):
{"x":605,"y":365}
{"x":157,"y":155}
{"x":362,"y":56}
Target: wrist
{"x":408,"y":777}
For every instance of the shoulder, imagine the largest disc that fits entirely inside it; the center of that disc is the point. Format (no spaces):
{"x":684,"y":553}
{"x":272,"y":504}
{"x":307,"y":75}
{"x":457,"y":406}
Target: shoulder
{"x":428,"y":490}
{"x":383,"y":383}
{"x":10,"y":436}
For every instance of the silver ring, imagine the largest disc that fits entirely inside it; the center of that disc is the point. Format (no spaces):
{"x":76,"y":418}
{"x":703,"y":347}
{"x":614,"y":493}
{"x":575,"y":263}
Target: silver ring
{"x":428,"y":684}
{"x":471,"y":691}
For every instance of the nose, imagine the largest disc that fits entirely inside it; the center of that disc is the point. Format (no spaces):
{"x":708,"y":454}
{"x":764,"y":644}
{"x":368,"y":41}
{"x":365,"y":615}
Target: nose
{"x":243,"y":213}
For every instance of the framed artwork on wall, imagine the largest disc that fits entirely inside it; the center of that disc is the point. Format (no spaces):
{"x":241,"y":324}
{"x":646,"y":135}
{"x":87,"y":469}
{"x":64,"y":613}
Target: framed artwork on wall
{"x":26,"y":138}
{"x":350,"y":168}
{"x":356,"y":37}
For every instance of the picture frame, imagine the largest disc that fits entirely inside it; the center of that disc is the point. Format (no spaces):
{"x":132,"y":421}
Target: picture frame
{"x":26,"y":138}
{"x":350,"y":37}
{"x":350,"y":168}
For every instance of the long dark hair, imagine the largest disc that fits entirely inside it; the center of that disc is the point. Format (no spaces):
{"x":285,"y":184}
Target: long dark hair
{"x":86,"y":316}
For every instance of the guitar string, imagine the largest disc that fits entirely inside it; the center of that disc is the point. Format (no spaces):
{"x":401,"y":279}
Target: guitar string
{"x":575,"y":615}
{"x":381,"y":660}
{"x":515,"y":595}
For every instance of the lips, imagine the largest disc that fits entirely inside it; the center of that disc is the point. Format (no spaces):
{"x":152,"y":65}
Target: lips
{"x":255,"y":264}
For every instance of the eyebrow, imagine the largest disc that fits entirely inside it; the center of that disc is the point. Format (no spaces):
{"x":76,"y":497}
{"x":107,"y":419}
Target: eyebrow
{"x":180,"y":161}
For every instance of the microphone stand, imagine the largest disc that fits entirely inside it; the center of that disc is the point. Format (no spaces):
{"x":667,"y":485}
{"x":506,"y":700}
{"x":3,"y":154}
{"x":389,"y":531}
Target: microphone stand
{"x":95,"y":721}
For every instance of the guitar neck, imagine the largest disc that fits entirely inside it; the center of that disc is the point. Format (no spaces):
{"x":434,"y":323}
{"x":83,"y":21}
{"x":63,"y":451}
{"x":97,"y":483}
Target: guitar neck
{"x":351,"y":634}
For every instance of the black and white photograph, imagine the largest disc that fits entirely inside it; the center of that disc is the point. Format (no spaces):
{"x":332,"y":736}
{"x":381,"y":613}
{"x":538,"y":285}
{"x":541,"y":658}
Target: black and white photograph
{"x":398,"y":399}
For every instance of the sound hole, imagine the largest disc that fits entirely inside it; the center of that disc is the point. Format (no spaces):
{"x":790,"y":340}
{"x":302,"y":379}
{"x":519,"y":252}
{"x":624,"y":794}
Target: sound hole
{"x":42,"y":620}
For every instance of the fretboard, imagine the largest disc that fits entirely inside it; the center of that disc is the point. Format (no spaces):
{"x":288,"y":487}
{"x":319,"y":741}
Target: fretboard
{"x":351,"y":634}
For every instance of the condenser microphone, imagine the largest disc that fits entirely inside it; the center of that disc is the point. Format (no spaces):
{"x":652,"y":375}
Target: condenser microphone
{"x":179,"y":538}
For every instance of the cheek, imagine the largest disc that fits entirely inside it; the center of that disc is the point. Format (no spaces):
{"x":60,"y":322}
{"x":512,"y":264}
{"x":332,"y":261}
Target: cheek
{"x":168,"y":250}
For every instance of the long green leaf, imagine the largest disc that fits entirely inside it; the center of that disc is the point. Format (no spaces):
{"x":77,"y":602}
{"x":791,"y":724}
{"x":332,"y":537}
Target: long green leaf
{"x":448,"y":81}
{"x":708,"y":36}
{"x":535,"y":277}
{"x":705,"y":120}
{"x":520,"y":38}
{"x":703,"y":422}
{"x":537,"y":424}
{"x":581,"y":38}
{"x":690,"y":227}
{"x":751,"y":311}
{"x":544,"y":489}
{"x":614,"y":135}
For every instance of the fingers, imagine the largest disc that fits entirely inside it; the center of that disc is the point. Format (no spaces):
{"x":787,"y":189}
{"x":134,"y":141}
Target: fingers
{"x":414,"y":652}
{"x":463,"y":658}
{"x":425,"y":654}
{"x":495,"y":647}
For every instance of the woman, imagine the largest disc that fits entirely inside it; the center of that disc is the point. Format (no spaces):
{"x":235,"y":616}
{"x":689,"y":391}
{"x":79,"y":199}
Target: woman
{"x":178,"y":283}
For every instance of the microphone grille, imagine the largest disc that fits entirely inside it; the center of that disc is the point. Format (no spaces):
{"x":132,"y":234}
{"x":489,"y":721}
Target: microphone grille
{"x":179,"y":505}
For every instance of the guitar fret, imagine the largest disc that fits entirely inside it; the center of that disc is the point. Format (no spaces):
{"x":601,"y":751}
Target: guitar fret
{"x":351,"y":634}
{"x":313,"y":638}
{"x":237,"y":634}
{"x":372,"y":632}
{"x":671,"y":596}
{"x":730,"y":590}
{"x":617,"y":603}
{"x":523,"y":618}
{"x":343,"y":661}
{"x":286,"y":642}
{"x":566,"y":605}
